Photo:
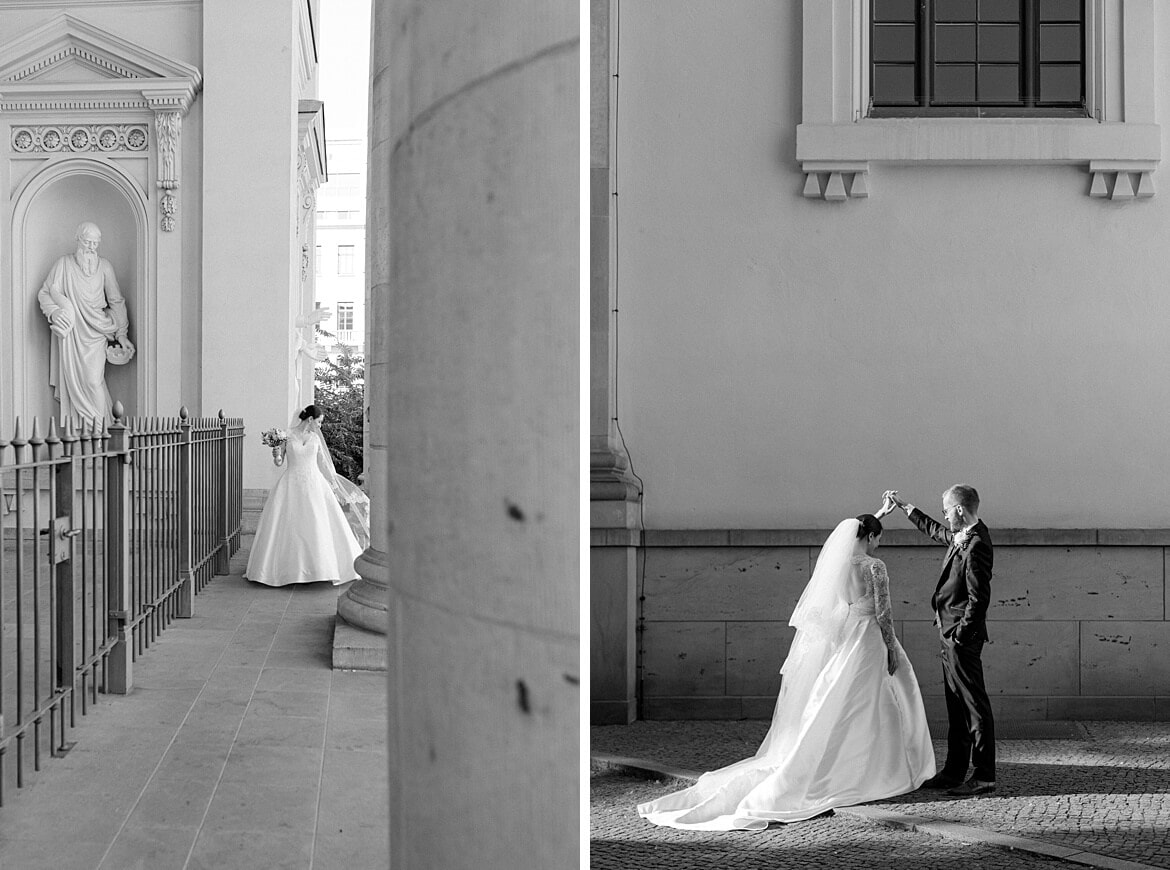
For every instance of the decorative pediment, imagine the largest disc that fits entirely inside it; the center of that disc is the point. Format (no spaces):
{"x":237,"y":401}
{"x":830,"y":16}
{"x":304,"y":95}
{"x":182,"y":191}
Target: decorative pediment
{"x":67,"y":63}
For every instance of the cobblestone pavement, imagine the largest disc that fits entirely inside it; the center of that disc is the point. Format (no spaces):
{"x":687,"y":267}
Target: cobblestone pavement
{"x":621,"y":840}
{"x":1106,"y":792}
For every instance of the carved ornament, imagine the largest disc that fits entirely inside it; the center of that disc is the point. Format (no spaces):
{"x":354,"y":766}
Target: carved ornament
{"x":79,"y":137}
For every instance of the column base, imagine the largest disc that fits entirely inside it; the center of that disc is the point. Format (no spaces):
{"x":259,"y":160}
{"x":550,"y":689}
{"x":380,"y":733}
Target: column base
{"x":613,"y":583}
{"x":366,"y":603}
{"x":356,"y":649}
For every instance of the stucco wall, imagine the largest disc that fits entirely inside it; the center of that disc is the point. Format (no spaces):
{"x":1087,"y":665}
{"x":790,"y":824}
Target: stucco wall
{"x":783,"y":360}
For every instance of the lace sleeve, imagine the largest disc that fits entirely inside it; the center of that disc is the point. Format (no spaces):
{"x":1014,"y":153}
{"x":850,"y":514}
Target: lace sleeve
{"x":881,"y":600}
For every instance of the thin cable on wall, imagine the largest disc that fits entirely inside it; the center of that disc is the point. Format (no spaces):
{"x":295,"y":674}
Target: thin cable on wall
{"x":640,"y":579}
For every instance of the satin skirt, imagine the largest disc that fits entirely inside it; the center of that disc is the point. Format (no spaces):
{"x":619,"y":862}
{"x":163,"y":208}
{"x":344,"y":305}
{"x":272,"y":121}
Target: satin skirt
{"x":303,"y":536}
{"x":859,"y":734}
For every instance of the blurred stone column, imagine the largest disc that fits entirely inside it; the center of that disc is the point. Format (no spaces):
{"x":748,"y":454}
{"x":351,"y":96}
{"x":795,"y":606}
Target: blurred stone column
{"x":473,"y":238}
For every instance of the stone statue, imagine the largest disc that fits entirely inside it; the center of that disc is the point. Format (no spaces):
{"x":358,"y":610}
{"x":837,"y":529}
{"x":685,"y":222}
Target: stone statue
{"x":85,"y":309}
{"x":305,"y":342}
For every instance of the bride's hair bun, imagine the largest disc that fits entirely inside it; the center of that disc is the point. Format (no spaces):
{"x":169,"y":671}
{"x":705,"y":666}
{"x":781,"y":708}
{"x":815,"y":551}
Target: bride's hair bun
{"x":870,"y":525}
{"x":310,"y":411}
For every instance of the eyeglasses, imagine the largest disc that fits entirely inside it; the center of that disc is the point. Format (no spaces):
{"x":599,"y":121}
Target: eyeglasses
{"x":946,"y":510}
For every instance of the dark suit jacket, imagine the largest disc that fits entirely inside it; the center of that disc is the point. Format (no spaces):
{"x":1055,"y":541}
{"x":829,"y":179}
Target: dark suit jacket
{"x":964,"y":588}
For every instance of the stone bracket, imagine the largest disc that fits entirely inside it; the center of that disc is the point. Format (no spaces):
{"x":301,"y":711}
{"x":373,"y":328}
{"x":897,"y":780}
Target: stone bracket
{"x":835,"y":181}
{"x":168,"y":125}
{"x":1131,"y":179}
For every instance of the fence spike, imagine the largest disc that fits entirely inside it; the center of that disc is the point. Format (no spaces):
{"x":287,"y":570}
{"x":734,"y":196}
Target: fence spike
{"x":35,"y":438}
{"x":18,"y":435}
{"x":53,"y":438}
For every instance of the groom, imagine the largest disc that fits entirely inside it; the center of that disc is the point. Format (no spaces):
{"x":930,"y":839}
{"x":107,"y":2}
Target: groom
{"x":960,"y":607}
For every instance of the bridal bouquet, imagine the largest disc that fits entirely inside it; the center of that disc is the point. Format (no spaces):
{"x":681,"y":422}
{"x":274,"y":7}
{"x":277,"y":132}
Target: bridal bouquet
{"x":273,"y":437}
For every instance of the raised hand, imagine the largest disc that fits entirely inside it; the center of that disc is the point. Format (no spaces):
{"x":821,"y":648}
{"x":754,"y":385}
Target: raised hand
{"x":888,"y":505}
{"x":892,"y":495}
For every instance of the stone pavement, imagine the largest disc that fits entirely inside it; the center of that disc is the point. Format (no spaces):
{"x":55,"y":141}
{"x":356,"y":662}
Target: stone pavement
{"x":239,"y":747}
{"x":1096,"y":795}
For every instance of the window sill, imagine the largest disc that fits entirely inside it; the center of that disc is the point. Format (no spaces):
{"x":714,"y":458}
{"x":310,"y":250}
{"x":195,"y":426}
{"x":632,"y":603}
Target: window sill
{"x":982,"y":140}
{"x":1115,"y":148}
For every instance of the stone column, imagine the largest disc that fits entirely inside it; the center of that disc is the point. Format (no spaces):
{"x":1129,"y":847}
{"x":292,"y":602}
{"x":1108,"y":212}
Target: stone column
{"x":613,"y":492}
{"x":473,"y":239}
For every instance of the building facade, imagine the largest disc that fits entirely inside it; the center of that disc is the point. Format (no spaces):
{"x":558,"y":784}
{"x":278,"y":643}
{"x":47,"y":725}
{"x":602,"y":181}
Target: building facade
{"x":839,"y":248}
{"x":341,"y":246}
{"x":198,"y":151}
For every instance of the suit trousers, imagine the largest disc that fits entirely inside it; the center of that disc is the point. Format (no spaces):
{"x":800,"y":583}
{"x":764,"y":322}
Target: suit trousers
{"x":971,"y":729}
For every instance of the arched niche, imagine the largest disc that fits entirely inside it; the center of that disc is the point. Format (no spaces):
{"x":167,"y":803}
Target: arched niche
{"x":47,"y":212}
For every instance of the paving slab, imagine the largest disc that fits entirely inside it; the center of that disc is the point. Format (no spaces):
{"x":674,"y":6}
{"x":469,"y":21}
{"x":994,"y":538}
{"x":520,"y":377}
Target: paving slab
{"x":239,"y":747}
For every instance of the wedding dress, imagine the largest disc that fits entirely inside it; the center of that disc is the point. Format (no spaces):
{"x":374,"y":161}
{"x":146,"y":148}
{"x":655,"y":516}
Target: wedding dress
{"x":844,"y":731}
{"x":303,"y":535}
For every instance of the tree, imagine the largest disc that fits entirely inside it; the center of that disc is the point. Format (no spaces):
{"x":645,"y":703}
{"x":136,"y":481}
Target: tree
{"x":339,"y":391}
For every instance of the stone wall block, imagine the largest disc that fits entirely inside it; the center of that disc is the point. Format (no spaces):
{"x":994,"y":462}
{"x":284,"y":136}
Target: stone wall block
{"x":1009,"y":708}
{"x":1032,"y":659}
{"x":723,"y":583}
{"x":1038,"y":583}
{"x":755,"y":652}
{"x":764,"y":706}
{"x":1162,"y":709}
{"x":613,"y":615}
{"x":1077,"y":583}
{"x":920,"y":640}
{"x":692,"y":708}
{"x":936,"y":715}
{"x":1125,"y":658}
{"x":1117,"y":708}
{"x":684,"y":658}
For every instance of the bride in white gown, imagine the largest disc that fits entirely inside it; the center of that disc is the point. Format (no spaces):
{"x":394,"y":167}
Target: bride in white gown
{"x":849,"y":725}
{"x":304,"y":536}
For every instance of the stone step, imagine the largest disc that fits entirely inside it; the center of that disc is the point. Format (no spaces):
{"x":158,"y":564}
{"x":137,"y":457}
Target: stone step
{"x":251,"y":509}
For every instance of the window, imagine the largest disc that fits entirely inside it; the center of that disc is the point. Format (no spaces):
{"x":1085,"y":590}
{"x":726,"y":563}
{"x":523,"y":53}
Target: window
{"x":977,"y":57}
{"x":345,"y":259}
{"x":318,"y":264}
{"x":344,"y":316}
{"x":1116,"y":137}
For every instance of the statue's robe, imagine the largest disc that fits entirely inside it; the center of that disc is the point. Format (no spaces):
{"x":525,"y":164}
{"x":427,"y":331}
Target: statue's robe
{"x":77,"y":366}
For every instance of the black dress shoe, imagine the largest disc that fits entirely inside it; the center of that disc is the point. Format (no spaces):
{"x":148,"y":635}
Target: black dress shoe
{"x":940,"y":780}
{"x":973,"y":787}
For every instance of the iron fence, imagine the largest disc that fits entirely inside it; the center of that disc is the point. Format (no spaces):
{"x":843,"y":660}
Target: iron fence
{"x":109,"y":531}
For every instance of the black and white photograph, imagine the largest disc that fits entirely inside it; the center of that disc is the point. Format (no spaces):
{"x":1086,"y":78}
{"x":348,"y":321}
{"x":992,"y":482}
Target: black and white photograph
{"x":878,"y":526}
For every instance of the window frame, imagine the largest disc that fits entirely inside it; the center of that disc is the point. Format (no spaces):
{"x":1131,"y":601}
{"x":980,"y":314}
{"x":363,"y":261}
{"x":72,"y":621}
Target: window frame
{"x":345,"y":309}
{"x":926,"y":69}
{"x":351,"y":250}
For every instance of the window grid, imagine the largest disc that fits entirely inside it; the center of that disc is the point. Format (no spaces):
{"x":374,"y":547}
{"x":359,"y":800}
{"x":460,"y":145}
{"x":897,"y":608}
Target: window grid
{"x":973,"y":55}
{"x":345,"y":259}
{"x":345,"y":316}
